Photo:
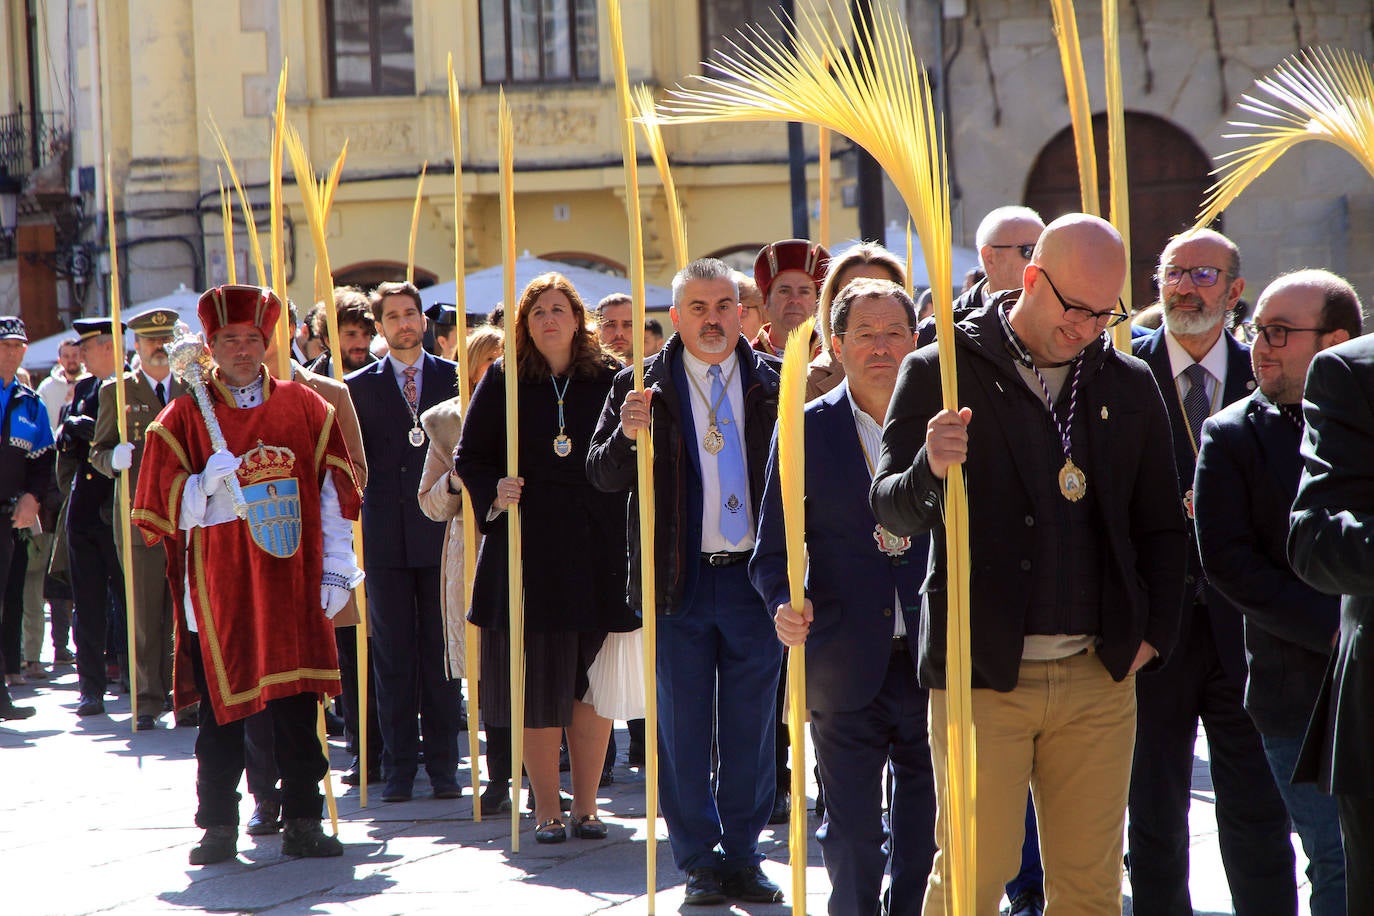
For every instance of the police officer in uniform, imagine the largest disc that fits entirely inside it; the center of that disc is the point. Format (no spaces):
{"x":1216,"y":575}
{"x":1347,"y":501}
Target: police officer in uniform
{"x":25,"y":461}
{"x":97,"y":583}
{"x":146,"y":392}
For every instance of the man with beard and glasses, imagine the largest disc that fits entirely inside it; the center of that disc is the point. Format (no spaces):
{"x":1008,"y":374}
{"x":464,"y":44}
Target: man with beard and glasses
{"x":1200,"y":369}
{"x":146,"y":392}
{"x":403,"y":549}
{"x":356,"y":330}
{"x":714,"y":403}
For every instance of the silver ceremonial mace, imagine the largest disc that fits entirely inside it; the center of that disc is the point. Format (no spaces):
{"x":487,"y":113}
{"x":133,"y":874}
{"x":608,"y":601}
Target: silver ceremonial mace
{"x":190,"y":361}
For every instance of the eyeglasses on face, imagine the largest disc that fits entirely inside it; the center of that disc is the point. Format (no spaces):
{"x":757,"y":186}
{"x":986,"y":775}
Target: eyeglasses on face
{"x":1077,"y":314}
{"x":1276,"y":335}
{"x":1172,"y":275}
{"x":1025,"y":250}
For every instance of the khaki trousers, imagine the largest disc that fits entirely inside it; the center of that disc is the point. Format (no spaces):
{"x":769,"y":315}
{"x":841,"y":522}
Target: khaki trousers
{"x":1067,"y":731}
{"x":154,"y":621}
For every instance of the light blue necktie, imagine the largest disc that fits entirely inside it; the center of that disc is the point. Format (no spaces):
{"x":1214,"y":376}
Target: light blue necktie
{"x":734,"y":513}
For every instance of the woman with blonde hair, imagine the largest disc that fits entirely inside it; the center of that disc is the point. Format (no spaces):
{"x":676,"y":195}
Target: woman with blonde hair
{"x":441,"y":500}
{"x":572,"y":538}
{"x":867,"y":259}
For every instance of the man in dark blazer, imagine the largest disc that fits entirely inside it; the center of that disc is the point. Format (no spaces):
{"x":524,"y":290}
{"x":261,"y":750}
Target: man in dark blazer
{"x":1247,"y":475}
{"x":1200,"y":368}
{"x":1076,"y":564}
{"x":863,"y":599}
{"x":403,"y":549}
{"x":709,"y":469}
{"x":97,"y":579}
{"x":146,"y":392}
{"x":1332,"y":526}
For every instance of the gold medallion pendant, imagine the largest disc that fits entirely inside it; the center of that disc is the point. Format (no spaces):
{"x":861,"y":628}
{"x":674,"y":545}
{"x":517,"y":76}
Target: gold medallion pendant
{"x":1073,"y":483}
{"x":416,"y":436}
{"x":713,"y":441}
{"x":562,"y":446}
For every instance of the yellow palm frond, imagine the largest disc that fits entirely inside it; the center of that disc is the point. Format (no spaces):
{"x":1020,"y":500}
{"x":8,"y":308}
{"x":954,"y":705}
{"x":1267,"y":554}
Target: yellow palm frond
{"x":643,"y":102}
{"x":1317,"y":94}
{"x":1080,"y":111}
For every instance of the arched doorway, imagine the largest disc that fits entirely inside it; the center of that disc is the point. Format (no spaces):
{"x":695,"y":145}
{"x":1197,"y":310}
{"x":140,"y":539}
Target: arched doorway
{"x":368,"y":275}
{"x":1168,"y":175}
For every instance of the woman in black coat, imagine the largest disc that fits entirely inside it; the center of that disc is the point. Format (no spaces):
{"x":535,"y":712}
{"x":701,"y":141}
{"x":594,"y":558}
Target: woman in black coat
{"x":572,"y":542}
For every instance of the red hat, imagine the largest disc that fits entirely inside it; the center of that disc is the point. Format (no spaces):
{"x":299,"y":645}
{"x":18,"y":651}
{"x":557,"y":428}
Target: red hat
{"x":792,"y":254}
{"x":232,"y":304}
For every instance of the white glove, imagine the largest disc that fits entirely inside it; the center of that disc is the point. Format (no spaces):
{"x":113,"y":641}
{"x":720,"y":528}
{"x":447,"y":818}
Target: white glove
{"x":333,"y":594}
{"x":218,"y":467}
{"x":122,"y":456}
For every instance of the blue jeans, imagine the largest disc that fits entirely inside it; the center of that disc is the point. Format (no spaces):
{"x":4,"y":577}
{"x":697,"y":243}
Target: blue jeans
{"x":1317,"y":822}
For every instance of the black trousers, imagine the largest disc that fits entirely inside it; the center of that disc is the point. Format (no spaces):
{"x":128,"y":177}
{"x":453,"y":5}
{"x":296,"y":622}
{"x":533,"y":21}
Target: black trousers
{"x":1252,"y":821}
{"x":12,"y":615}
{"x":220,"y":756}
{"x":405,"y":611}
{"x":98,"y":589}
{"x":346,"y":641}
{"x":1357,"y":836}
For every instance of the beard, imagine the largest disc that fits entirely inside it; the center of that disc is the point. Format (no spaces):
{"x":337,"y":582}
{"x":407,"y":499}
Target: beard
{"x":1191,"y":323}
{"x":718,"y":343}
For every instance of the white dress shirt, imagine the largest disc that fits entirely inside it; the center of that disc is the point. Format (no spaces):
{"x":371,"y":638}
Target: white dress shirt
{"x":699,"y":383}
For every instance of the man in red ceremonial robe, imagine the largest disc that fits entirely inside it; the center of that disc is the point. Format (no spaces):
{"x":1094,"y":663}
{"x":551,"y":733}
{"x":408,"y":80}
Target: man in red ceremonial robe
{"x":254,"y":593}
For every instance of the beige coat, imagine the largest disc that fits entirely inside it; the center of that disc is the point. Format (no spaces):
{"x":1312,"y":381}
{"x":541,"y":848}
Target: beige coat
{"x":443,"y":423}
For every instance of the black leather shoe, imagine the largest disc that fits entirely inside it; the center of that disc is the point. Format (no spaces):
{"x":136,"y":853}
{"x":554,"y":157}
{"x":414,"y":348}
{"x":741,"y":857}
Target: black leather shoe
{"x":333,"y":724}
{"x":782,"y":807}
{"x":703,"y":888}
{"x":145,"y":724}
{"x":448,"y":790}
{"x":91,"y":706}
{"x":1028,"y":903}
{"x":304,"y":837}
{"x":751,"y":885}
{"x":266,"y":819}
{"x":9,"y":711}
{"x":495,"y":798}
{"x":354,"y":776}
{"x":217,"y":845}
{"x":634,"y":757}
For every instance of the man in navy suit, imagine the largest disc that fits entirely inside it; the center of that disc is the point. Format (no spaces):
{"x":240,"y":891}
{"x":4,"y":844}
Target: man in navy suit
{"x":1200,"y":369}
{"x":403,"y":550}
{"x":1247,"y":476}
{"x":714,"y":402}
{"x":863,"y":598}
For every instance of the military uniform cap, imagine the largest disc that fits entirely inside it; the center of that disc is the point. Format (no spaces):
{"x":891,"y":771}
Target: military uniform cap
{"x":154,"y":322}
{"x":442,"y":313}
{"x":86,"y":328}
{"x":790,"y":254}
{"x":12,"y":328}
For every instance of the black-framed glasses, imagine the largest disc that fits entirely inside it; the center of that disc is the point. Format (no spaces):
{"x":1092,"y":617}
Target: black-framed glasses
{"x":1025,"y":250}
{"x":1172,"y":275}
{"x":1276,"y":335}
{"x":1077,"y":314}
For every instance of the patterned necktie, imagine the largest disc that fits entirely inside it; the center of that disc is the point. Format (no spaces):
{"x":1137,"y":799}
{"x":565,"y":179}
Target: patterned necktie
{"x":409,"y":390}
{"x":1196,"y":405}
{"x":734,"y":513}
{"x":161,"y":394}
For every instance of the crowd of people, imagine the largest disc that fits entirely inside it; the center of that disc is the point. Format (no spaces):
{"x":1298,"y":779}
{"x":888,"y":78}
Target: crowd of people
{"x":1132,"y":569}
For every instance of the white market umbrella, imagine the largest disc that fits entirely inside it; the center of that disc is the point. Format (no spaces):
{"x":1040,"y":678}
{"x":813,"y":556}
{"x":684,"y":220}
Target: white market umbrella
{"x":43,"y":353}
{"x":484,"y":288}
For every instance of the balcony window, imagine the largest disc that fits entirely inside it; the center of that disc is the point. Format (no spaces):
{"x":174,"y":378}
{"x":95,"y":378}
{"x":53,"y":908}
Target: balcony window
{"x":722,"y":20}
{"x":539,"y":41}
{"x":371,"y":47}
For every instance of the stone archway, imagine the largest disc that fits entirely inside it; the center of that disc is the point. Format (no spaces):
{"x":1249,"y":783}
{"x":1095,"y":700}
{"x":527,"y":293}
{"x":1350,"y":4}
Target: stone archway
{"x":1168,"y":175}
{"x":368,"y":275}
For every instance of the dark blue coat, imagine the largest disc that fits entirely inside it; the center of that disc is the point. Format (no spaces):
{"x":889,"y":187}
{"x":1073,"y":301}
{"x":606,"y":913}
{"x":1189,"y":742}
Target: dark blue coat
{"x":851,"y":584}
{"x":1240,"y":382}
{"x":395,"y":532}
{"x":1247,"y":475}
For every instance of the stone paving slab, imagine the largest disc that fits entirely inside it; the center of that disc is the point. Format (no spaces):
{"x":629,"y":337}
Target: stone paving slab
{"x":97,"y":820}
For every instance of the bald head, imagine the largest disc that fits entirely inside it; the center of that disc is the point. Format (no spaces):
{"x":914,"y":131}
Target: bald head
{"x":1002,"y":235}
{"x":1079,"y":266}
